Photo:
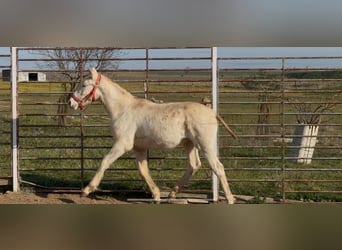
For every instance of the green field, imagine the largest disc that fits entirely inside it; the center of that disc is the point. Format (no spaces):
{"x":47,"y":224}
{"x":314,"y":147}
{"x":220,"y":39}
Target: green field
{"x":256,"y":164}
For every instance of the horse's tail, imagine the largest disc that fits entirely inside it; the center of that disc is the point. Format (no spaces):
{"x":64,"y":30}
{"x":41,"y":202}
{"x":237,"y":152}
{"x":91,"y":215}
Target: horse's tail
{"x":219,"y":118}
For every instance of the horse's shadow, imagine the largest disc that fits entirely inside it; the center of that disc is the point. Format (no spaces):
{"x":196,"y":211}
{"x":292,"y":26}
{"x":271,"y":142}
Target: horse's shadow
{"x":43,"y":186}
{"x":67,"y":201}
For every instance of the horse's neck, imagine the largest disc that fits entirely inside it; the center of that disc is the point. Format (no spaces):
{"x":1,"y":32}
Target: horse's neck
{"x":114,"y":97}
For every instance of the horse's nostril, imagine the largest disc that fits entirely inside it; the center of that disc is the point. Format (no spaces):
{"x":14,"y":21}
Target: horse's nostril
{"x":70,"y":103}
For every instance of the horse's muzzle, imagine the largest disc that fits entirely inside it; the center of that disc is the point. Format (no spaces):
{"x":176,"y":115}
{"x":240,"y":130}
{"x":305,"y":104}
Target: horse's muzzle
{"x":73,"y":104}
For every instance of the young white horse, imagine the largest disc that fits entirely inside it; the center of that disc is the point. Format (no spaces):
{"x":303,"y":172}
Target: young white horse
{"x":138,"y":125}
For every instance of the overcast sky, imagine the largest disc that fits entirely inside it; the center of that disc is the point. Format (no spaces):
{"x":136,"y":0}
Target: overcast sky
{"x":148,"y":23}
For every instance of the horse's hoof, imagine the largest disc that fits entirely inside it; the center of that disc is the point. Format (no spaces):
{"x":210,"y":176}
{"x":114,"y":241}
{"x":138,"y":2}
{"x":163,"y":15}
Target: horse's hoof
{"x":172,"y":195}
{"x":156,"y":201}
{"x":231,"y":201}
{"x":84,"y":194}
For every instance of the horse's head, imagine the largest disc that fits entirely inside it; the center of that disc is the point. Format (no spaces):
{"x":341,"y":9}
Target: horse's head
{"x":86,"y":92}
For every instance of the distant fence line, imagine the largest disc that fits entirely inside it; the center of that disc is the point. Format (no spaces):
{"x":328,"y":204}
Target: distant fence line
{"x":264,"y":99}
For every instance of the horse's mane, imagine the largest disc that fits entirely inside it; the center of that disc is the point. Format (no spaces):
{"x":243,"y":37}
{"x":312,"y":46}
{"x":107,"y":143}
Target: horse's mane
{"x":117,"y":86}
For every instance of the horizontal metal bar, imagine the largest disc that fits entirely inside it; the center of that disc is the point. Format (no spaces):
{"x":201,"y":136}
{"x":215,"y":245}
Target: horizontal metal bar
{"x":280,"y":58}
{"x":312,"y":180}
{"x":39,"y":158}
{"x":316,"y":158}
{"x":315,"y":191}
{"x":176,"y":169}
{"x":62,"y":137}
{"x":27,"y":147}
{"x":313,"y":169}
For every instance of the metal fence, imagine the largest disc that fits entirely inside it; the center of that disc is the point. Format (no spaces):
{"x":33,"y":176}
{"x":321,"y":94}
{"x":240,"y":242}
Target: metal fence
{"x":5,"y":118}
{"x":270,"y":105}
{"x":267,"y":101}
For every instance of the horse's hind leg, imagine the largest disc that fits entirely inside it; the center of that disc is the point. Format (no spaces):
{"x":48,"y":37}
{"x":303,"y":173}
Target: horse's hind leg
{"x":218,"y":169}
{"x":194,"y":165}
{"x":141,"y":156}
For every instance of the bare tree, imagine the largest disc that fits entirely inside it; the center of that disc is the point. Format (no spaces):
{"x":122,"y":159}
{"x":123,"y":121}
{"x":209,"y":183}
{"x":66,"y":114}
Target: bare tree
{"x":265,"y":90}
{"x":72,"y":64}
{"x":308,"y":113}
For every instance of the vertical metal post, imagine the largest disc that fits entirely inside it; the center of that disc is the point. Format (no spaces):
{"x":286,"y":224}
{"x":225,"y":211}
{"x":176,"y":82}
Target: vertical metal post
{"x":146,"y":89}
{"x":214,"y":92}
{"x":81,"y":123}
{"x":283,"y":132}
{"x":14,"y":95}
{"x":146,"y":83}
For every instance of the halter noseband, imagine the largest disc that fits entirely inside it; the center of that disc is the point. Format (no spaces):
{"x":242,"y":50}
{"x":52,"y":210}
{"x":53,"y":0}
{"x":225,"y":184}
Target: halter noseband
{"x":90,"y":95}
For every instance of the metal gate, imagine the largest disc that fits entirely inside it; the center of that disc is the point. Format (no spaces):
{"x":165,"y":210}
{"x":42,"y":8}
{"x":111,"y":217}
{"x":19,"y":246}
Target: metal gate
{"x":5,"y":117}
{"x":263,"y":100}
{"x":269,"y":101}
{"x":61,"y":149}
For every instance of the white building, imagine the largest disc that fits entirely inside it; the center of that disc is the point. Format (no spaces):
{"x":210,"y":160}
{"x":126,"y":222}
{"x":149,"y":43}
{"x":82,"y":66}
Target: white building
{"x":31,"y":77}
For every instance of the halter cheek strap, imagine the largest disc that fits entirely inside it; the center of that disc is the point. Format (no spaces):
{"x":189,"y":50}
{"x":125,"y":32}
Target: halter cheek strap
{"x":90,"y":95}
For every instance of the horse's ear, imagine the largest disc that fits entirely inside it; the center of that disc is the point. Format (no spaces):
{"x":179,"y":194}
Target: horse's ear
{"x":93,"y":73}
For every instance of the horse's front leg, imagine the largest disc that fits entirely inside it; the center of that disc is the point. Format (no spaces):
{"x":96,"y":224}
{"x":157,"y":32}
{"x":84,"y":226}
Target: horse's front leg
{"x":141,"y":156}
{"x":117,"y":150}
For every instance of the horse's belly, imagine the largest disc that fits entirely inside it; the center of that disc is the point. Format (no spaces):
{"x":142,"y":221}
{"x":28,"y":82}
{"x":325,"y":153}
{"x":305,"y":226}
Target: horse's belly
{"x":160,"y":131}
{"x":158,"y":140}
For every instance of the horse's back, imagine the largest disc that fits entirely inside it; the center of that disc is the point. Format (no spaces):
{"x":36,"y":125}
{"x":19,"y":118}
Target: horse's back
{"x":183,"y":114}
{"x":199,"y":122}
{"x":167,"y":125}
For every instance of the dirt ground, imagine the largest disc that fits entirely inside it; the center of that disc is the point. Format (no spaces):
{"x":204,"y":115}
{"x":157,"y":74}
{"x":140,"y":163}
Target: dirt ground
{"x":27,"y":197}
{"x":41,"y":196}
{"x":55,"y":198}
